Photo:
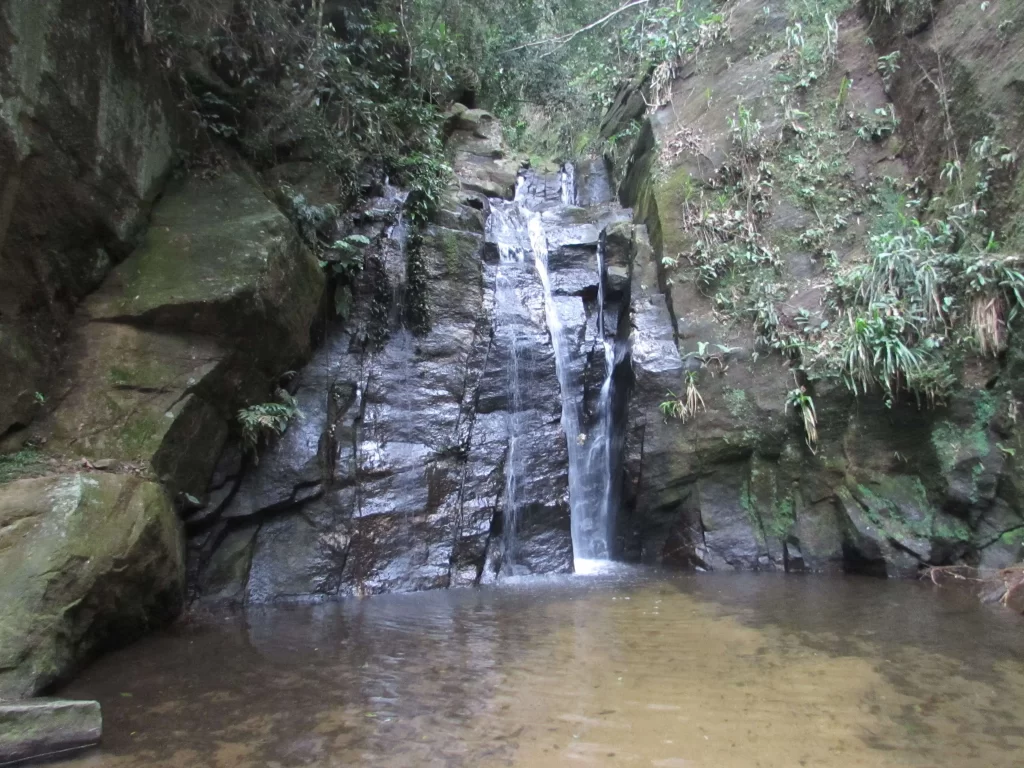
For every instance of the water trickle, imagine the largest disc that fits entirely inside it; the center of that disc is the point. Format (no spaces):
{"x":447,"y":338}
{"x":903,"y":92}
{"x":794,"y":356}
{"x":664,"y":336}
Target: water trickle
{"x":509,"y":314}
{"x":568,"y":180}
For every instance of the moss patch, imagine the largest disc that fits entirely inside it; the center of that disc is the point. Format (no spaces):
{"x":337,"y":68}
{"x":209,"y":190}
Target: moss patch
{"x":24,"y":463}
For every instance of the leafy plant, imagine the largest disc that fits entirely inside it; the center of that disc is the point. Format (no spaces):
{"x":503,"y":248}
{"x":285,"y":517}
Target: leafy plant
{"x":684,"y":408}
{"x":745,"y":130}
{"x":803,"y":404}
{"x":888,"y":66}
{"x":261,"y":423}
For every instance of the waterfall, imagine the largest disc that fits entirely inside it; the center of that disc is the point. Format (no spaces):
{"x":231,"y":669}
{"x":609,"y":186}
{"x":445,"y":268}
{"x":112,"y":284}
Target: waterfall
{"x":518,"y":227}
{"x":596,"y":524}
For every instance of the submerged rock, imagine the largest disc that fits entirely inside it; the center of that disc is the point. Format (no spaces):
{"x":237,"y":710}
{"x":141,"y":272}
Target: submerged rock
{"x":87,"y":561}
{"x":47,"y":728}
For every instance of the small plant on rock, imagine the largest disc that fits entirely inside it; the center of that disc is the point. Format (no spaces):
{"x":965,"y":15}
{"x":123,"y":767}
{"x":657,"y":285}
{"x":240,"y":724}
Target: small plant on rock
{"x":261,"y":423}
{"x":888,"y":66}
{"x":802,"y":402}
{"x":684,"y":408}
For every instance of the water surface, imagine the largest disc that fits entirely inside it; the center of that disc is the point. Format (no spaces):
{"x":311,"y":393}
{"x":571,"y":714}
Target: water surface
{"x":630,"y":669}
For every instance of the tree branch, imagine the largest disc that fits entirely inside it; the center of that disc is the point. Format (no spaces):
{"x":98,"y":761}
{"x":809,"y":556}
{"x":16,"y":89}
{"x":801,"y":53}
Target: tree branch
{"x":563,"y":39}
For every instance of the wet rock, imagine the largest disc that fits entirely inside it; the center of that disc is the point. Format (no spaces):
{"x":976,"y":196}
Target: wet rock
{"x":394,"y":475}
{"x":733,"y":533}
{"x":86,"y":561}
{"x":41,"y":728}
{"x":593,"y":183}
{"x":819,"y":530}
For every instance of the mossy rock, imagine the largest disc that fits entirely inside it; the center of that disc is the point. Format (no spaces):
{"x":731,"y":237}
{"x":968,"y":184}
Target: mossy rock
{"x":220,"y":259}
{"x":145,"y":398}
{"x":86,"y":561}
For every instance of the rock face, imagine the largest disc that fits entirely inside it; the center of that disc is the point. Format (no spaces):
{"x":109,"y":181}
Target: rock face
{"x":47,"y":727}
{"x":889,"y":490}
{"x":86,"y":561}
{"x":412,"y":439}
{"x":87,"y":136}
{"x":218,"y":301}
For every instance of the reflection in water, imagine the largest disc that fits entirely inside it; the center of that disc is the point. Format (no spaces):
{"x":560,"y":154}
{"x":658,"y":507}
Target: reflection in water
{"x":628,"y":668}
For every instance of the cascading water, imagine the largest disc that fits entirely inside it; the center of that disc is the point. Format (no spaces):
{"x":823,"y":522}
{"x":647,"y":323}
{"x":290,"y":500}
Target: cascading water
{"x":590,"y":467}
{"x":536,"y":223}
{"x":596,"y":539}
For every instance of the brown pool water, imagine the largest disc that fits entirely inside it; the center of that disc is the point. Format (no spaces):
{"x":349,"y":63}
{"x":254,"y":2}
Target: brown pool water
{"x":632,"y":669}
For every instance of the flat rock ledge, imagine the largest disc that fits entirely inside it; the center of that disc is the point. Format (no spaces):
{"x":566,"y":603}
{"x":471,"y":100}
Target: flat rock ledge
{"x":39,"y":728}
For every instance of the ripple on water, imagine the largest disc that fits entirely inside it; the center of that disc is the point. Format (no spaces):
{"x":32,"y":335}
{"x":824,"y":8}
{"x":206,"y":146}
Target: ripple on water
{"x":626,"y":667}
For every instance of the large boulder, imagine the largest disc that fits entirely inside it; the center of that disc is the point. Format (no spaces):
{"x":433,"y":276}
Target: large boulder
{"x":482,"y":164}
{"x":219,"y":259}
{"x":217,"y":302}
{"x":86,"y":561}
{"x":87,"y":136}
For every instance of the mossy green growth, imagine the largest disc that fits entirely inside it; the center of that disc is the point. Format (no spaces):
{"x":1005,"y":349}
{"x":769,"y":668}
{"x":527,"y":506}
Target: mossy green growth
{"x":15,"y":466}
{"x":783,"y":517}
{"x":737,"y":402}
{"x":771,"y":511}
{"x":450,"y":248}
{"x":952,"y":441}
{"x":417,"y":286}
{"x":945,"y":441}
{"x":140,"y":436}
{"x":984,"y":412}
{"x":672,"y":194}
{"x":884,"y":511}
{"x":749,"y":506}
{"x":1014,"y":537}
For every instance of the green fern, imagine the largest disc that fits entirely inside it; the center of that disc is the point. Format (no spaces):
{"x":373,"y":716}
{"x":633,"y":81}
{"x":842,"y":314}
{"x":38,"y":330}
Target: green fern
{"x":263,"y":422}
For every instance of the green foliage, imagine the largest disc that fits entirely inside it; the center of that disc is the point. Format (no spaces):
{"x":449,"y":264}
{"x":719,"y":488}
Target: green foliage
{"x":314,"y":222}
{"x":879,"y":125}
{"x":802,"y":403}
{"x":684,"y":408}
{"x":888,"y":66}
{"x":925,"y":292}
{"x":745,"y":130}
{"x":812,"y":42}
{"x":427,"y":176}
{"x":546,"y":53}
{"x":261,"y":423}
{"x":276,"y":78}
